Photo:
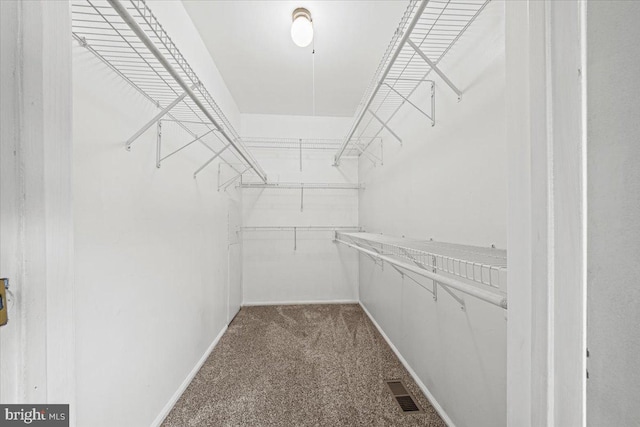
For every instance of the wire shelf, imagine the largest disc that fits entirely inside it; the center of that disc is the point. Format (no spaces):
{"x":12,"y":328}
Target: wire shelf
{"x":304,"y":143}
{"x":433,"y":26}
{"x":99,"y":27}
{"x":486,"y":266}
{"x":295,"y":229}
{"x":301,"y":228}
{"x":302,"y":185}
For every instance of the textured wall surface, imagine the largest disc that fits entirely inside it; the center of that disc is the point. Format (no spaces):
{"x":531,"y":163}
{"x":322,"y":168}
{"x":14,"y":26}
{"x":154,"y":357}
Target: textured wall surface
{"x":613,"y":175}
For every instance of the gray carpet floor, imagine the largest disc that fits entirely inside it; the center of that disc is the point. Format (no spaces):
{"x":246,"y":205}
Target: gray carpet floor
{"x":305,"y":365}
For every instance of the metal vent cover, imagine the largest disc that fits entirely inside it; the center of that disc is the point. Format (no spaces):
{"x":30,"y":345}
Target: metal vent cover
{"x":403,"y":398}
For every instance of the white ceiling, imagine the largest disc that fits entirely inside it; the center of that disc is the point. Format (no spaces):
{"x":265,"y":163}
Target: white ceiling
{"x":266,"y":73}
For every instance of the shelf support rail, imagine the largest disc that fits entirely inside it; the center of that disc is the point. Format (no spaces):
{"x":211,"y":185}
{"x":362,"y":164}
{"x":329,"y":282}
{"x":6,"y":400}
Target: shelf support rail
{"x":155,"y":119}
{"x":405,"y":37}
{"x":197,"y":138}
{"x":435,"y":282}
{"x":433,"y":292}
{"x":437,"y":70}
{"x":494,"y":297}
{"x":133,"y":25}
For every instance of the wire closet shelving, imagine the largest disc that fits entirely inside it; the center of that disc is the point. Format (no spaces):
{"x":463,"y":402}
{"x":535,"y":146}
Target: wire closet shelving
{"x":295,"y":229}
{"x":319,"y":144}
{"x":427,"y":31}
{"x":304,"y":145}
{"x":127,"y":37}
{"x":476,"y":271}
{"x":302,"y":186}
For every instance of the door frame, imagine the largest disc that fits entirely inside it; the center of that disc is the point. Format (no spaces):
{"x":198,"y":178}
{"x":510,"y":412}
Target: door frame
{"x":36,"y":250}
{"x":546,"y":131}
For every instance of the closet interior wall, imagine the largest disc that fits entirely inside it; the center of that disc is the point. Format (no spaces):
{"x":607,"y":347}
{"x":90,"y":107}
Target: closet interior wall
{"x":152,"y":253}
{"x":449,"y":183}
{"x":613,"y":224}
{"x":311,"y":268}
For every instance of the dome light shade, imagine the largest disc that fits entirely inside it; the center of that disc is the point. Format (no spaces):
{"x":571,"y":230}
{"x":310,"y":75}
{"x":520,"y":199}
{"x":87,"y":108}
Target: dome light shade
{"x":302,"y":27}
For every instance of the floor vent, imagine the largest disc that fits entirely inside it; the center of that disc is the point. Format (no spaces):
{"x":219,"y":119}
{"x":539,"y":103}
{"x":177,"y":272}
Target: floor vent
{"x":405,"y":401}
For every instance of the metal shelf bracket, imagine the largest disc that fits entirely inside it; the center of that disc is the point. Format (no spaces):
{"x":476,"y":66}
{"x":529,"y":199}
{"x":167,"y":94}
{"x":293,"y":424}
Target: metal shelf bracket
{"x":154,"y":120}
{"x":158,"y":143}
{"x":196,"y":139}
{"x":208,"y":162}
{"x":433,"y":106}
{"x":434,"y":269}
{"x":231,"y":180}
{"x":384,"y":124}
{"x":436,"y":69}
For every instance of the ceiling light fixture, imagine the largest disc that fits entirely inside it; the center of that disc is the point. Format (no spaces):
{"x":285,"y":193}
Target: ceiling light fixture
{"x":302,"y":27}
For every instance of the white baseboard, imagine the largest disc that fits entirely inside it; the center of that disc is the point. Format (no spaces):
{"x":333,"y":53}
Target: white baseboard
{"x":169,"y":406}
{"x":255,"y":303}
{"x":418,"y":381}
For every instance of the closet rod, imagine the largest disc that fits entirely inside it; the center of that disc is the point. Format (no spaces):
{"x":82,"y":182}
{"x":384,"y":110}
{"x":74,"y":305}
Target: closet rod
{"x":493,"y":297}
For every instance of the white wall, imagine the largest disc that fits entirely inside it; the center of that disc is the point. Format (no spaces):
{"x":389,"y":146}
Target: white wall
{"x":613,"y":147}
{"x":151,"y":244}
{"x":448,"y":183}
{"x":318,"y":270}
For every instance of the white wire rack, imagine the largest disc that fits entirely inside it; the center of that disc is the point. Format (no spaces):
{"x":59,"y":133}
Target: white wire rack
{"x":127,"y":37}
{"x":301,"y":227}
{"x":297,"y":228}
{"x":355,"y":149}
{"x":486,"y":267}
{"x":302,"y":144}
{"x":302,"y":185}
{"x":427,"y":31}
